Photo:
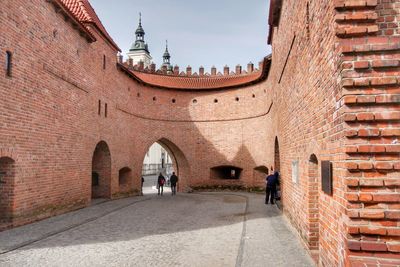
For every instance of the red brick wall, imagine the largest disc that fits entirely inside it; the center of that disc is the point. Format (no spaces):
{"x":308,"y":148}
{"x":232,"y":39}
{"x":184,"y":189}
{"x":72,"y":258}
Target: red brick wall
{"x":303,"y":87}
{"x":369,"y":42}
{"x":338,"y":99}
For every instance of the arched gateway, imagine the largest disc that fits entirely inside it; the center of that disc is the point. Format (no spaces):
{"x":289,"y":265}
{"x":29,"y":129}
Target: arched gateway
{"x":180,"y":164}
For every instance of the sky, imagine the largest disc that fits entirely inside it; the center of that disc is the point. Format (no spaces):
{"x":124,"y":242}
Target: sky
{"x":199,"y":32}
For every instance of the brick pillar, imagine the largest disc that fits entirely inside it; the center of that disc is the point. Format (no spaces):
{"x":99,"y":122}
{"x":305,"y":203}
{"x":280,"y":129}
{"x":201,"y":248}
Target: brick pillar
{"x":238,"y":69}
{"x":189,"y":71}
{"x":213,"y":71}
{"x":201,"y":71}
{"x":176,"y":70}
{"x":226,"y":70}
{"x":250,"y":67}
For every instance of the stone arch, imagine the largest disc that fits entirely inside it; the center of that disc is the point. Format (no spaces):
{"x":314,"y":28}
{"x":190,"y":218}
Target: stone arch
{"x":7,"y":182}
{"x":125,"y":180}
{"x":313,"y":204}
{"x":101,"y":171}
{"x":179,"y":162}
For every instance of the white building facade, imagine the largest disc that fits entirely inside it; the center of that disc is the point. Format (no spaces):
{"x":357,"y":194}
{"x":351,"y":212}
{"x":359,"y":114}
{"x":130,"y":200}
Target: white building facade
{"x":157,"y":160}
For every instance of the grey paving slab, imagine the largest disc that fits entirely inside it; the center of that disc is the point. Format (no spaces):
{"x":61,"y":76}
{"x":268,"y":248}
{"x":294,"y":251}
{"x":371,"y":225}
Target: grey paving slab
{"x":216,"y":229}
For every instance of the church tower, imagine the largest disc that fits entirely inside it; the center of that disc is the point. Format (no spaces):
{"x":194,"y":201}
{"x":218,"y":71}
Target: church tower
{"x":139,"y":50}
{"x":166,"y":60}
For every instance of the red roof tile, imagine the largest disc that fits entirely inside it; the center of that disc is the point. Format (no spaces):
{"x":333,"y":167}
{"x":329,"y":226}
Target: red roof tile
{"x":199,"y":82}
{"x":85,"y":13}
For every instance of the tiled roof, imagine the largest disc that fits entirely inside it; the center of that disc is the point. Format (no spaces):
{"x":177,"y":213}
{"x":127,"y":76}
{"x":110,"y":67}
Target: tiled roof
{"x":84,"y":13}
{"x":199,"y":82}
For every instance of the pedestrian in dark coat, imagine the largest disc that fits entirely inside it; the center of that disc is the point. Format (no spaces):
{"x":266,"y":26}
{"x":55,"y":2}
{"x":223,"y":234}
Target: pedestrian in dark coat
{"x":142,"y":186}
{"x":160,"y":183}
{"x":272,"y":181}
{"x":174,"y":181}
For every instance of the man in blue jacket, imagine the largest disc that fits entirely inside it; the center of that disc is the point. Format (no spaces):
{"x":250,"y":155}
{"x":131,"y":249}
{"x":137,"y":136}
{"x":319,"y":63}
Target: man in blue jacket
{"x":272,"y":181}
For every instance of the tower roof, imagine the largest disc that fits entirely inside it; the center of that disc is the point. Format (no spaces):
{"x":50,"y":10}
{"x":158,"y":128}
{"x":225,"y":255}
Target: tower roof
{"x":140,"y":44}
{"x":140,"y":30}
{"x":166,"y":53}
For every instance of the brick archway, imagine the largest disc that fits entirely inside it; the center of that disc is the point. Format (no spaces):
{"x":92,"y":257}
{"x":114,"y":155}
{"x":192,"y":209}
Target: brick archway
{"x":179,"y":162}
{"x":101,"y":171}
{"x":7,"y":180}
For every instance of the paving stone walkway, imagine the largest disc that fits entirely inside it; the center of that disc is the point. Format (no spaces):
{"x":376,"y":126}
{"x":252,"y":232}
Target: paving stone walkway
{"x":198,"y":229}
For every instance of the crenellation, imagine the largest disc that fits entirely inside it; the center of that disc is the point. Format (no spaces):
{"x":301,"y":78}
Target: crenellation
{"x":238,"y":69}
{"x":226,"y":70}
{"x":250,"y":67}
{"x":213,"y":71}
{"x":201,"y":71}
{"x":188,"y":71}
{"x":175,"y":71}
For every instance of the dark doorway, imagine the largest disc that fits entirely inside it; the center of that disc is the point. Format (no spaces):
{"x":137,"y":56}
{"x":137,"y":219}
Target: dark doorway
{"x":125,"y":180}
{"x":101,"y":171}
{"x":7,"y":175}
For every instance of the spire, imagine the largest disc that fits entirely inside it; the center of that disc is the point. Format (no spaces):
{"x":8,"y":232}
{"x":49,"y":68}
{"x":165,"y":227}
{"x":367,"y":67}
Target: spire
{"x":166,"y":55}
{"x":139,"y":31}
{"x":139,"y":43}
{"x":166,"y":59}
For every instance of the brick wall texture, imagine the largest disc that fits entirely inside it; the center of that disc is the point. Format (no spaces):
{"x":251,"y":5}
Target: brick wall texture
{"x":332,"y":94}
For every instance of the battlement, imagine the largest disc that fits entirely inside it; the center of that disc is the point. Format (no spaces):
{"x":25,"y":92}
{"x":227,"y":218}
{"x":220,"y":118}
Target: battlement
{"x":176,"y":71}
{"x":174,"y":79}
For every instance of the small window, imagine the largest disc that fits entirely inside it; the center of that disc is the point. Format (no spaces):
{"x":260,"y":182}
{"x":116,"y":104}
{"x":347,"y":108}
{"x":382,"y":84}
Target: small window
{"x":154,"y":98}
{"x":138,"y":94}
{"x":99,"y":108}
{"x":254,"y":96}
{"x":105,"y":110}
{"x":104,"y":62}
{"x":215,"y":100}
{"x":8,"y":63}
{"x":237,"y":98}
{"x":194,"y":101}
{"x":173,"y":100}
{"x":226,"y":172}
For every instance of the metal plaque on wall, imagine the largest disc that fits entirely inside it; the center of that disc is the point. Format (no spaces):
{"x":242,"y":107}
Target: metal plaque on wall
{"x":326,"y":179}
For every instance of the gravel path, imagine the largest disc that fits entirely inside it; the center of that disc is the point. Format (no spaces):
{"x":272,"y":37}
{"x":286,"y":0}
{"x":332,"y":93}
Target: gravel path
{"x":207,"y":229}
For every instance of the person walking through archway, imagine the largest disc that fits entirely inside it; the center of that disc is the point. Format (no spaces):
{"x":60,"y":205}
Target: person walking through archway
{"x":174,"y":181}
{"x":142,"y":186}
{"x":270,"y":192}
{"x":160,"y":183}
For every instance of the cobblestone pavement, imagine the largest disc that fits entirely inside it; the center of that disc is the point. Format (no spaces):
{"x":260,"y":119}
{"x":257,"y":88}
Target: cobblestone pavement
{"x":207,"y":229}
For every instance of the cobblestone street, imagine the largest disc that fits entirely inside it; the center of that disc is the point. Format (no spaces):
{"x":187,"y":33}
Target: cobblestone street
{"x":205,"y":229}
